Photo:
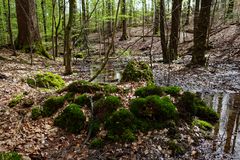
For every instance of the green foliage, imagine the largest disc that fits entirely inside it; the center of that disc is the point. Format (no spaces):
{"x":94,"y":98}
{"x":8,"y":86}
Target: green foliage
{"x":10,"y":156}
{"x":137,"y":71}
{"x":105,"y":106}
{"x":153,"y":108}
{"x":202,"y":124}
{"x":83,"y":100}
{"x":79,"y":55}
{"x":121,"y":125}
{"x":97,"y":143}
{"x":192,"y":105}
{"x":109,"y":88}
{"x":46,"y":80}
{"x":176,"y":148}
{"x":94,"y":126}
{"x":172,"y":90}
{"x":16,"y":100}
{"x":72,"y":119}
{"x":36,"y":113}
{"x":52,"y":105}
{"x":69,"y":96}
{"x":148,"y":91}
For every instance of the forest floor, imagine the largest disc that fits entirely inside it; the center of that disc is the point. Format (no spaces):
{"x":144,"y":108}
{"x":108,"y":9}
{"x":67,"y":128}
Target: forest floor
{"x":41,"y":140}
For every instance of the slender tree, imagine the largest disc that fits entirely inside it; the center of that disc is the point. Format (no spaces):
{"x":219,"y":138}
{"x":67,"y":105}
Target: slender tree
{"x":230,"y":9}
{"x":200,"y":38}
{"x":156,"y":17}
{"x":162,"y":31}
{"x":10,"y":29}
{"x":124,"y":21}
{"x":43,"y":7}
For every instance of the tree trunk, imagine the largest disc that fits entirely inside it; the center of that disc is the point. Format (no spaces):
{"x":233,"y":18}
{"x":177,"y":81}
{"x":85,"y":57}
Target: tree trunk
{"x":109,"y":22}
{"x":124,"y":21}
{"x":188,"y":13}
{"x":10,"y":29}
{"x":28,"y":31}
{"x":198,"y":57}
{"x":68,"y":66}
{"x":230,"y":9}
{"x":174,"y":37}
{"x":156,"y":17}
{"x":43,"y":6}
{"x":162,"y":32}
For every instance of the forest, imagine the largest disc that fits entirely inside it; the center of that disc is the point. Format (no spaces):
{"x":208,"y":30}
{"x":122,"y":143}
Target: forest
{"x":119,"y":79}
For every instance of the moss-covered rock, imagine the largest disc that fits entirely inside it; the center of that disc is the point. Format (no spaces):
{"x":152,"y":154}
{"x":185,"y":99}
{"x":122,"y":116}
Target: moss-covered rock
{"x":137,"y":71}
{"x":153,"y":108}
{"x":177,"y":148}
{"x":202,"y":124}
{"x":172,"y":90}
{"x":83,"y":100}
{"x":72,"y":119}
{"x":97,"y":143}
{"x":16,"y":100}
{"x":94,"y":126}
{"x":79,"y":55}
{"x":51,"y":105}
{"x":46,"y":80}
{"x":36,"y":112}
{"x":69,"y":96}
{"x":10,"y":156}
{"x":192,"y":105}
{"x":105,"y":106}
{"x":121,"y":125}
{"x":148,"y":91}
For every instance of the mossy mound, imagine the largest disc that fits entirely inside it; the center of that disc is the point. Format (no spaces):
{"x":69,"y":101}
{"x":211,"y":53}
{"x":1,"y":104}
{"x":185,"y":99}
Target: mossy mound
{"x":88,"y":87}
{"x":137,"y":71}
{"x":51,"y":105}
{"x":10,"y":156}
{"x":177,"y":148}
{"x":153,"y":108}
{"x":191,"y":105}
{"x":36,"y":112}
{"x":46,"y":80}
{"x":105,"y":106}
{"x":79,"y":55}
{"x":72,"y":119}
{"x":148,"y":91}
{"x":16,"y":100}
{"x":121,"y":125}
{"x":97,"y":143}
{"x":172,"y":90}
{"x":202,"y":124}
{"x":69,"y":96}
{"x":83,"y":100}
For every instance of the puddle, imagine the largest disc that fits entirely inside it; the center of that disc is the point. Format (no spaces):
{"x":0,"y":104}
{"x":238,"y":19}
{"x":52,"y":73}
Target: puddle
{"x":226,"y":143}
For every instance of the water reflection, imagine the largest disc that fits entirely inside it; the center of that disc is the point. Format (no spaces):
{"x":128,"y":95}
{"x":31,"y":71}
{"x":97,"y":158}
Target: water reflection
{"x":226,"y":132}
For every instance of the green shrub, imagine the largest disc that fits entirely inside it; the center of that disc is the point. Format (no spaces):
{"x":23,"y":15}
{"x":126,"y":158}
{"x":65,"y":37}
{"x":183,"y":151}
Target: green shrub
{"x":10,"y":156}
{"x":71,"y":119}
{"x":69,"y":96}
{"x":121,"y":125}
{"x":202,"y":124}
{"x":15,"y":100}
{"x":51,"y":105}
{"x":105,"y":106}
{"x":46,"y":80}
{"x":153,"y":108}
{"x":137,"y":71}
{"x":83,"y":100}
{"x":172,"y":90}
{"x":36,"y":112}
{"x":148,"y":91}
{"x":97,"y":143}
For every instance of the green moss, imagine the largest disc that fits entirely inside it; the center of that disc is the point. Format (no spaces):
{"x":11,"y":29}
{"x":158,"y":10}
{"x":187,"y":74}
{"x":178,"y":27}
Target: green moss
{"x":208,"y":114}
{"x":52,"y":105}
{"x":121,"y":125}
{"x":202,"y":124}
{"x":36,"y":113}
{"x":97,"y":143}
{"x":191,"y":105}
{"x":94,"y":126}
{"x":172,"y":90}
{"x":137,"y":71}
{"x":10,"y":156}
{"x":83,"y":87}
{"x":153,"y":108}
{"x":148,"y":91}
{"x":72,"y":119}
{"x":16,"y":100}
{"x":46,"y":80}
{"x":83,"y":100}
{"x":109,"y":88}
{"x":69,"y":96}
{"x":176,"y":148}
{"x":79,"y":55}
{"x":105,"y":106}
